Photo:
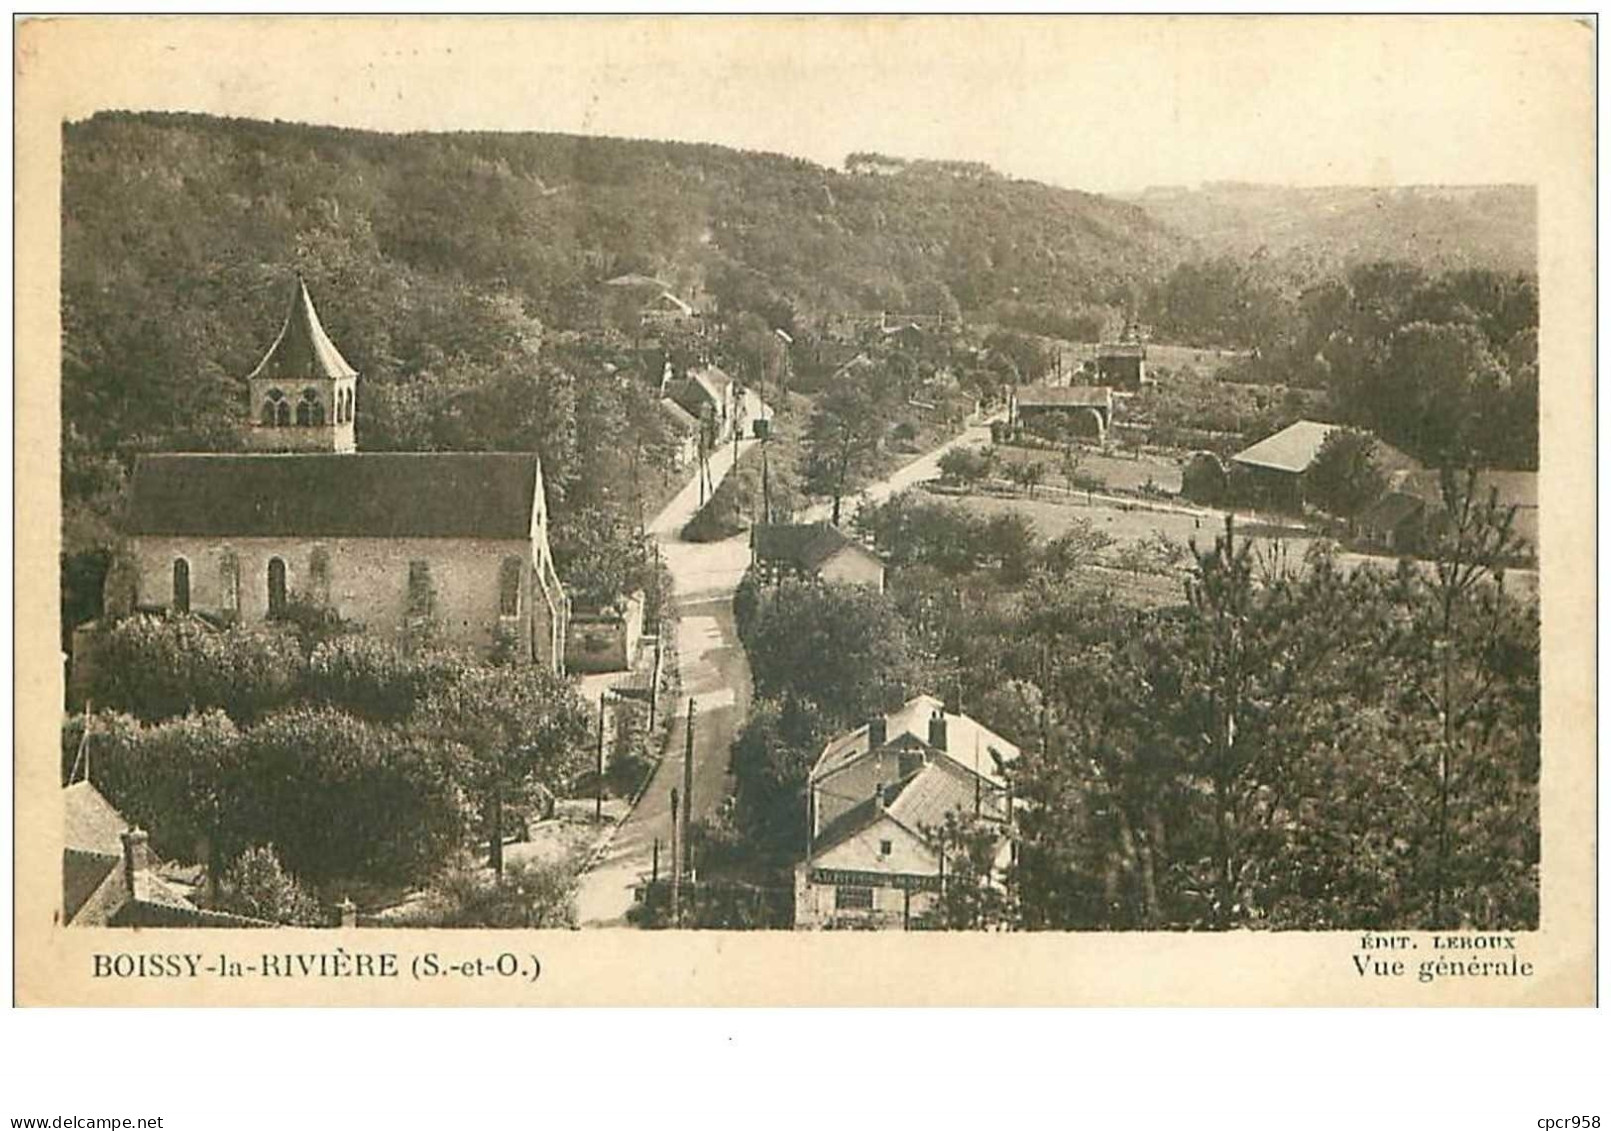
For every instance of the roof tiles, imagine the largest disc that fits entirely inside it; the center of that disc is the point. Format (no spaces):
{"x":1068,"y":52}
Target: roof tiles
{"x":487,"y":495}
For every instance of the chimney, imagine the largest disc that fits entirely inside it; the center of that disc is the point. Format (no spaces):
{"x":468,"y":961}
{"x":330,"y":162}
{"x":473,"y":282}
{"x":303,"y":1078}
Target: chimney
{"x":136,"y":854}
{"x":878,"y":795}
{"x":349,"y":913}
{"x":877,"y":732}
{"x":937,"y":730}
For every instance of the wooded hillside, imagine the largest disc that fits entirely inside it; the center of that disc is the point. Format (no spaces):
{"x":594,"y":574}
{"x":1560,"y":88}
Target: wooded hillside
{"x":181,"y":231}
{"x":1311,"y":232}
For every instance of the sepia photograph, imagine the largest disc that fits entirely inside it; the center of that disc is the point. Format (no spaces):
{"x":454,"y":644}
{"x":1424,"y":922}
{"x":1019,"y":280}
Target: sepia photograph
{"x":475,"y":526}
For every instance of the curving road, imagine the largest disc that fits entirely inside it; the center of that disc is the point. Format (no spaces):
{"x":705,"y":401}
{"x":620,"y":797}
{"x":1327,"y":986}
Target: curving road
{"x":715,"y":673}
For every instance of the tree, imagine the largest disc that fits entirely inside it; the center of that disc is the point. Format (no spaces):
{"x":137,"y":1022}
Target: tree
{"x":1022,"y":358}
{"x":1068,"y":466}
{"x":908,"y":529}
{"x":1344,"y":478}
{"x":1243,"y":681}
{"x":973,"y":896}
{"x":529,"y":894}
{"x":159,"y":667}
{"x":1012,"y":541}
{"x":772,"y":757}
{"x":516,"y":730}
{"x":963,"y":466}
{"x":374,"y":678}
{"x":1466,"y":658}
{"x":757,"y":350}
{"x":603,"y":557}
{"x":258,"y":886}
{"x":343,"y":799}
{"x":1028,"y":474}
{"x":1076,"y":548}
{"x":843,"y":647}
{"x":181,"y":779}
{"x":842,"y":440}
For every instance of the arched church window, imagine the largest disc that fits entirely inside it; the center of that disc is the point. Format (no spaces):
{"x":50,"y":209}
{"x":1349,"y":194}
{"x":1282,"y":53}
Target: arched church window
{"x":181,"y":585}
{"x":276,"y":587}
{"x":275,"y":410}
{"x":310,"y":410}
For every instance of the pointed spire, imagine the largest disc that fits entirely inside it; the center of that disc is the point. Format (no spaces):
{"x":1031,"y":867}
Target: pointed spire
{"x":302,"y":348}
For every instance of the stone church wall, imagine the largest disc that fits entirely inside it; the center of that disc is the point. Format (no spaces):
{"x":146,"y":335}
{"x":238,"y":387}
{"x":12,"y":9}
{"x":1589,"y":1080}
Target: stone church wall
{"x":370,"y":580}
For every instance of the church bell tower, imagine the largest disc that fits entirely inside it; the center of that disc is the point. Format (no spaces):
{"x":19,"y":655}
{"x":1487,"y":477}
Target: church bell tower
{"x":304,"y":395}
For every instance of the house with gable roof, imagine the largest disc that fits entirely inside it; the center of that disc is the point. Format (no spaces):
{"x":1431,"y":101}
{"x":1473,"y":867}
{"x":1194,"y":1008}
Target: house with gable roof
{"x":449,"y":544}
{"x":112,"y":878}
{"x":705,"y":393}
{"x":878,"y":799}
{"x":1277,"y":466}
{"x":817,"y":550}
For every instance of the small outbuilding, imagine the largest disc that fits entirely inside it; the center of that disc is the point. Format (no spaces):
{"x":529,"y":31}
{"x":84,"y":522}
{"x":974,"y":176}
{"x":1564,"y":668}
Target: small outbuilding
{"x":1080,"y":410}
{"x":814,"y":550}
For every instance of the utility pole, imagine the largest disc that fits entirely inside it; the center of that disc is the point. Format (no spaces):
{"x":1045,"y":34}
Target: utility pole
{"x":654,"y":682}
{"x":766,"y":480}
{"x":676,"y":876}
{"x":598,"y":793}
{"x":685,"y":861}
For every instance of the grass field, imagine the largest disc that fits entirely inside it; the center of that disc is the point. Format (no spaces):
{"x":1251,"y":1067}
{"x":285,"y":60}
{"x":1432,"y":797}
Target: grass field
{"x":1128,"y":524}
{"x":1121,"y":472}
{"x":1122,"y":524}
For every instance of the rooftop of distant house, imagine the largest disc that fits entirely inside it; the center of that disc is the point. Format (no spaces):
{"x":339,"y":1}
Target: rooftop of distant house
{"x":634,"y":279}
{"x":1295,"y":447}
{"x":679,"y":416}
{"x":1064,"y":396}
{"x":918,"y":802}
{"x":805,"y":546}
{"x":110,"y":876}
{"x":1122,"y":349}
{"x":967,"y":742}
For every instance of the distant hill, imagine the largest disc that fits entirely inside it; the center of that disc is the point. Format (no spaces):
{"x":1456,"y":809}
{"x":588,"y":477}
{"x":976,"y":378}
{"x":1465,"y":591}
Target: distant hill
{"x":1313,"y":232}
{"x":443,"y":256}
{"x":543,"y":214}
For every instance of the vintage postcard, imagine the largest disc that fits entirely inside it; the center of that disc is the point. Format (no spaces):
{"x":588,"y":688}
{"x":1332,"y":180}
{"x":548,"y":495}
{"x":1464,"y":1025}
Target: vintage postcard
{"x":805,"y":510}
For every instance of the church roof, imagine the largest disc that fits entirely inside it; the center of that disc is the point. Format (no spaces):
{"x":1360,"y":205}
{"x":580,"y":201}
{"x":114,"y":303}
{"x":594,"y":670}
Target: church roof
{"x":302,"y":349}
{"x":487,"y":495}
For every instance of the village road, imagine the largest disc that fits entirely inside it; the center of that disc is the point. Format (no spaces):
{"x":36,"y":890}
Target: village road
{"x":920,"y":470}
{"x":715,"y":674}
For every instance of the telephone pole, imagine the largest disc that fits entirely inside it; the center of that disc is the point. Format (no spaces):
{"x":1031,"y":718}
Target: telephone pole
{"x":676,"y":876}
{"x":598,"y":793}
{"x":685,"y":861}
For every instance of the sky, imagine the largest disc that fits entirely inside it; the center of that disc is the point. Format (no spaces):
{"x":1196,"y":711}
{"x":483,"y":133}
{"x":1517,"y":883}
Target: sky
{"x":1098,"y":103}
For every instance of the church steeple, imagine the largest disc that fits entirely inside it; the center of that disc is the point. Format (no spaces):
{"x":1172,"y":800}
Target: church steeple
{"x":304,"y":395}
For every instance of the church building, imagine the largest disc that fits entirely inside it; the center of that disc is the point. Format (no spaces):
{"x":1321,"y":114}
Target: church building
{"x":446,"y":546}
